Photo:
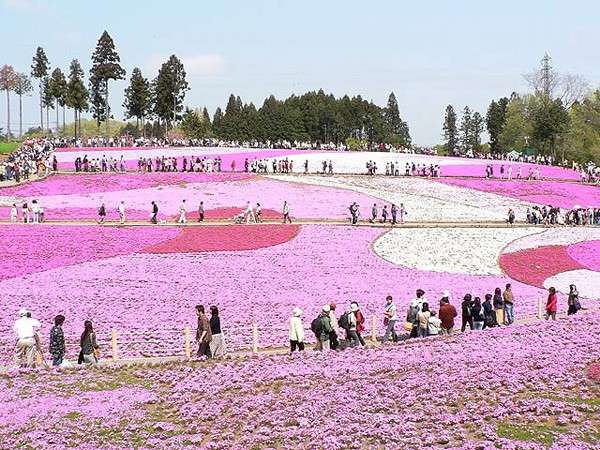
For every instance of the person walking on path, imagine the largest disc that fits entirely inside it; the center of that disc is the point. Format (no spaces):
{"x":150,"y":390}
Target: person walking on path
{"x":509,"y":300}
{"x":478,"y":314}
{"x":25,"y":329}
{"x":321,"y":327}
{"x":182,"y":213}
{"x":402,"y":211}
{"x":154,"y":213}
{"x":286,"y":212}
{"x":14,"y":214}
{"x":573,"y":300}
{"x":101,"y":214}
{"x":249,"y":213}
{"x":423,"y":320}
{"x":357,"y":325}
{"x":384,"y":214}
{"x":57,"y":341}
{"x":498,"y":303}
{"x":296,"y":331}
{"x":446,"y":314}
{"x":551,"y":304}
{"x":390,"y":317}
{"x":90,"y":351}
{"x":258,"y":213}
{"x":394,"y":211}
{"x":201,"y":212}
{"x":203,"y":333}
{"x":466,"y":312}
{"x":217,"y":343}
{"x":121,"y":210}
{"x":373,"y":213}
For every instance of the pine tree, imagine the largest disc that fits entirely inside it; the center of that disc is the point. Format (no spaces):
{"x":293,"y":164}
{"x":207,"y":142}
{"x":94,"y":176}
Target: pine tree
{"x":495,"y":121}
{"x":47,"y":100}
{"x":170,"y":87}
{"x":77,"y":94}
{"x":39,"y":70}
{"x":450,"y":131}
{"x":217,"y":123}
{"x":138,"y":98}
{"x":398,"y":129}
{"x":22,"y":87}
{"x":58,"y":90}
{"x":466,"y":130}
{"x":476,"y":130}
{"x":105,"y":66}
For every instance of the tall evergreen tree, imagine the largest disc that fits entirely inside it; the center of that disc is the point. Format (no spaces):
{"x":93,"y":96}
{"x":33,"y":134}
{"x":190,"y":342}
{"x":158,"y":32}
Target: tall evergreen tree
{"x":47,"y":100}
{"x":105,"y":67}
{"x":217,"y":122}
{"x":22,"y":87}
{"x":396,"y":127}
{"x":476,"y":130}
{"x":495,"y":121}
{"x":466,"y":127}
{"x":77,"y":94}
{"x":138,"y":97}
{"x":8,"y":81}
{"x":170,"y":87}
{"x":450,"y":131}
{"x":39,"y":70}
{"x":58,"y":90}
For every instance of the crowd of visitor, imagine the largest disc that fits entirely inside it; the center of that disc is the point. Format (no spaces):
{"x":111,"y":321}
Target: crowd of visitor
{"x":549,"y":215}
{"x":331,"y":332}
{"x":31,"y":158}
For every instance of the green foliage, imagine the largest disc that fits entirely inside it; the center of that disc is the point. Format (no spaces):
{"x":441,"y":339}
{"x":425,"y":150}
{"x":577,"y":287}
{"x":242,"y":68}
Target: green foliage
{"x":138,"y":96}
{"x":495,"y":121}
{"x":8,"y":147}
{"x":57,"y":86}
{"x":77,"y":94}
{"x":397,"y":130}
{"x":450,"y":130}
{"x":194,"y":125}
{"x":22,"y":84}
{"x":170,"y":87}
{"x":92,"y":128}
{"x":40,"y":65}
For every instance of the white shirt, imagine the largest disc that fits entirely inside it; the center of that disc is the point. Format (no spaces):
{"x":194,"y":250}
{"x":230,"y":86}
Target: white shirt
{"x":24,"y":327}
{"x":122,"y":208}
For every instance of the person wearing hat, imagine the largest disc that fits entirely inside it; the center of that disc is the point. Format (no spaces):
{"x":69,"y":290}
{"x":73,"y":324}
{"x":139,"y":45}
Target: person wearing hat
{"x":389,"y":319}
{"x":357,"y":321}
{"x":322,"y":329}
{"x":296,"y":331}
{"x":25,"y":329}
{"x":446,"y":314}
{"x":414,"y":309}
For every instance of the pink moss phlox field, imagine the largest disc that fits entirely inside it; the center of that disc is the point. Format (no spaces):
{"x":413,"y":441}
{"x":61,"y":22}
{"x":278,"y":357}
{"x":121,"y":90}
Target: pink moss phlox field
{"x":559,"y":194}
{"x":533,"y":266}
{"x":158,"y":292}
{"x":478,"y":170}
{"x":470,"y":391}
{"x":310,"y":202}
{"x":227,"y":157}
{"x":225,"y":238}
{"x":88,"y":183}
{"x":34,"y":248}
{"x":587,"y":254}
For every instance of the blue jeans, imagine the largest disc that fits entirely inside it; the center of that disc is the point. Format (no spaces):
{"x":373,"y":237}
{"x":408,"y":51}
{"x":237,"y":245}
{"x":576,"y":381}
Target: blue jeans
{"x":478,"y":325}
{"x":422,"y":332}
{"x":391,"y":329}
{"x":57,"y":360}
{"x":508,"y":313}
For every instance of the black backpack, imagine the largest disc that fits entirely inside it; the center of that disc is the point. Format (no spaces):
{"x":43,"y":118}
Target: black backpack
{"x":317,"y":326}
{"x":344,"y":321}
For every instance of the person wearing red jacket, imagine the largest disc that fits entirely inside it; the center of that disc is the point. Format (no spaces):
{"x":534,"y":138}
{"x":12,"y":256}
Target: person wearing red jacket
{"x":446,"y":314}
{"x":551,"y":304}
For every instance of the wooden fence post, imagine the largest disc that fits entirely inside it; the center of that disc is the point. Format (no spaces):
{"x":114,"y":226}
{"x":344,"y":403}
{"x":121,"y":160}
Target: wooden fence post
{"x":187,"y":339}
{"x":374,"y":329}
{"x":114,"y":344}
{"x":254,"y":338}
{"x":539,"y":308}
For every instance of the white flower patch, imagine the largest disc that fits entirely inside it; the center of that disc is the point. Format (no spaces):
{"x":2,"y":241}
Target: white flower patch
{"x":424,"y":200}
{"x":555,"y":236}
{"x":356,"y":162}
{"x":471,"y":251}
{"x":587,"y":282}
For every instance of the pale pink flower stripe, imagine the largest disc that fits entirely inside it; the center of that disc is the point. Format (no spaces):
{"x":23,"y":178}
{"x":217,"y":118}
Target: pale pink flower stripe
{"x":157,"y":292}
{"x":587,"y":254}
{"x":110,"y":182}
{"x":478,"y":170}
{"x":306,"y":201}
{"x":560,"y":194}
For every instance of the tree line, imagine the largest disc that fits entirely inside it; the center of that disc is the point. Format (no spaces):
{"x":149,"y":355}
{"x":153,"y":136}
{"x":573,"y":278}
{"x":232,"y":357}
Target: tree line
{"x":559,"y":117}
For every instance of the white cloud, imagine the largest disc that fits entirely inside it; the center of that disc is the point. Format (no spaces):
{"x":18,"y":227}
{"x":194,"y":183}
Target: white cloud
{"x":206,"y":65}
{"x":26,"y":5}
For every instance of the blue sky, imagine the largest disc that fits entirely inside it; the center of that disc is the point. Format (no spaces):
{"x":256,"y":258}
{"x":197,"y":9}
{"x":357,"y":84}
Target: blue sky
{"x":430,"y":53}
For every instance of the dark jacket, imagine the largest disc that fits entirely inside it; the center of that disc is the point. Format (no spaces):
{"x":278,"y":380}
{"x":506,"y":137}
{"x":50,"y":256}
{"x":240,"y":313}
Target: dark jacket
{"x":57,"y":341}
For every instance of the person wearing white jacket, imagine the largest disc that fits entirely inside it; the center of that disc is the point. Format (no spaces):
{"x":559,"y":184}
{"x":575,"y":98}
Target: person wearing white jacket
{"x":296,"y":331}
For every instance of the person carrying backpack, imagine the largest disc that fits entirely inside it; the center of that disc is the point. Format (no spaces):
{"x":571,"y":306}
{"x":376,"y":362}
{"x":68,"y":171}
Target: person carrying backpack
{"x":467,"y":314}
{"x":477,"y":314}
{"x":413,"y":310}
{"x":488,"y":312}
{"x":321,"y":327}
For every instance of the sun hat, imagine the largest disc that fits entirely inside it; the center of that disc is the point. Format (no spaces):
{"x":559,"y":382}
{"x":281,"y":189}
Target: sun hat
{"x":326,"y":308}
{"x":297,"y":311}
{"x":353,"y":307}
{"x":446,"y":294}
{"x":23,"y":312}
